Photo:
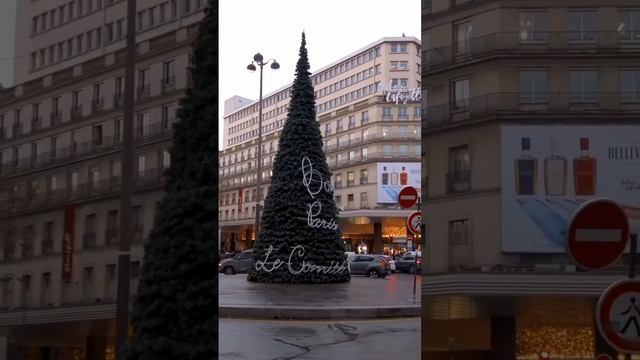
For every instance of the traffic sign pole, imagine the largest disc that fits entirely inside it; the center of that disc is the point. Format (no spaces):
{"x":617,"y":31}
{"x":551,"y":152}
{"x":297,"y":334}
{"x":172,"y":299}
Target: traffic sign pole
{"x":415,"y":272}
{"x":633,"y":248}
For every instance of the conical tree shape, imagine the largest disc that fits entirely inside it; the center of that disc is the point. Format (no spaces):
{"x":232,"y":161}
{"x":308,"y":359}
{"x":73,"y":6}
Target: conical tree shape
{"x":175,"y":312}
{"x":300,"y":215}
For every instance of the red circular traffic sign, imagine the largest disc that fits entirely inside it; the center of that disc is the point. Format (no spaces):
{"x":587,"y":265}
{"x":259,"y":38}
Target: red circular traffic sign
{"x":414,"y":222}
{"x":618,"y":315}
{"x":598,"y":233}
{"x":408,"y":197}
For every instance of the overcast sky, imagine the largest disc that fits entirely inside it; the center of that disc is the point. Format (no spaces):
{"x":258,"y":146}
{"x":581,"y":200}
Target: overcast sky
{"x":334,"y":29}
{"x":7,"y":48}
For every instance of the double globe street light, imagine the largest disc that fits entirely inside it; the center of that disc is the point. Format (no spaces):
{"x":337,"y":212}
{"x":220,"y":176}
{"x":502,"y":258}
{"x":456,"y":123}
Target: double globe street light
{"x":259,"y":61}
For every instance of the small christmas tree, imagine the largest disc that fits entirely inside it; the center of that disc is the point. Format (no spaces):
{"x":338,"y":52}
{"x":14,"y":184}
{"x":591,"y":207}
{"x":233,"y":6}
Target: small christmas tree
{"x":299,"y":240}
{"x":175,"y":312}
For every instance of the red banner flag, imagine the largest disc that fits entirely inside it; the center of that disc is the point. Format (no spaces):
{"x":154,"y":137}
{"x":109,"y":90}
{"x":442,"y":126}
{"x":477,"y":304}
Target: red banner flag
{"x":67,"y":243}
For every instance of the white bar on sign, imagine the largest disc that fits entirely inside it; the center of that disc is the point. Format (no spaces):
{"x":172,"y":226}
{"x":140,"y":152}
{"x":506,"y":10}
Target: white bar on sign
{"x":598,"y":235}
{"x":407,"y":197}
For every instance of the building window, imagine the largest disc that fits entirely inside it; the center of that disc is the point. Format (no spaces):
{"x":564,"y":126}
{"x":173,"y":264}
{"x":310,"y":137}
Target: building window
{"x":403,"y":113}
{"x":463,"y":35}
{"x":327,"y":129}
{"x":461,"y":94}
{"x":352,"y":121}
{"x":533,"y":26}
{"x":166,"y":159}
{"x":399,"y":83}
{"x":629,"y":27}
{"x":630,"y":86}
{"x":339,"y":126}
{"x":583,"y":26}
{"x":459,"y":232}
{"x":386,"y":113}
{"x":364,"y":176}
{"x":365,"y":117}
{"x":168,"y":73}
{"x":338,"y":182}
{"x":387,"y":150}
{"x":351,"y":178}
{"x":166,"y":122}
{"x":47,"y":238}
{"x":350,"y":201}
{"x":364,"y":200}
{"x":399,"y":65}
{"x":398,"y":48}
{"x":403,"y":150}
{"x":143,"y":124}
{"x":97,"y":135}
{"x":533,"y":86}
{"x":386,"y":132}
{"x":583,"y":86}
{"x":365,"y":153}
{"x":142,"y":165}
{"x":458,"y":178}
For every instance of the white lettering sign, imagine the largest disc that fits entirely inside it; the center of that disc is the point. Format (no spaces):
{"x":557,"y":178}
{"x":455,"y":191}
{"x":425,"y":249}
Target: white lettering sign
{"x":401,"y":94}
{"x":313,"y":181}
{"x":306,"y":267}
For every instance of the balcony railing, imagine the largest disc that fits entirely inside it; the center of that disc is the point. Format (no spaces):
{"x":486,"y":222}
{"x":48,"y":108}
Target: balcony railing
{"x":111,"y":237}
{"x":118,"y":99}
{"x":97,"y":105}
{"x":144,"y":91}
{"x":36,"y":123}
{"x":81,"y":192}
{"x":89,"y":240}
{"x":539,"y":104}
{"x":549,"y":42}
{"x":168,"y":84}
{"x":76,"y":112}
{"x":372,"y":138}
{"x":78,"y":150}
{"x":458,"y":182}
{"x":55,"y":118}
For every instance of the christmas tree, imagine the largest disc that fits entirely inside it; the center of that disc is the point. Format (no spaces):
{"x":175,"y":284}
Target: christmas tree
{"x":299,"y":240}
{"x":175,"y":311}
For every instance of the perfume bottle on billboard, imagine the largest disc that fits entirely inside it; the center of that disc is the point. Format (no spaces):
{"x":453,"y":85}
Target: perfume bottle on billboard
{"x":584,"y":171}
{"x":555,"y":172}
{"x":394,"y":178}
{"x":404,"y":176}
{"x":526,"y":169}
{"x":385,"y":176}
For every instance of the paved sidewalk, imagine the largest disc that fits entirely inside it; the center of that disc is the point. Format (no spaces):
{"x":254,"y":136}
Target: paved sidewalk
{"x":362,"y":298}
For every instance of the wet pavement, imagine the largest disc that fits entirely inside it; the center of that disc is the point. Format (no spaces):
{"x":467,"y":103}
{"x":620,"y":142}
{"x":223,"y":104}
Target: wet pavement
{"x":320,"y":340}
{"x":394,"y":290}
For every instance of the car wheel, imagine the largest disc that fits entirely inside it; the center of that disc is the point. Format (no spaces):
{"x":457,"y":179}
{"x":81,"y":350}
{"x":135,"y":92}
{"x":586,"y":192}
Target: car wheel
{"x":373,"y":273}
{"x":412,"y":269}
{"x":229,"y":271}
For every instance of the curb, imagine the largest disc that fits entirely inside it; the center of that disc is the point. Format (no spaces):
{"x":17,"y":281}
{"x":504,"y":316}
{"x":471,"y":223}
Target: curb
{"x":317,"y":312}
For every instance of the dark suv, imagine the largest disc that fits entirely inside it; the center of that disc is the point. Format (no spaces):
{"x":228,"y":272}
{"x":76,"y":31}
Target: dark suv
{"x":407,"y":263}
{"x":369,"y":265}
{"x":238,"y":264}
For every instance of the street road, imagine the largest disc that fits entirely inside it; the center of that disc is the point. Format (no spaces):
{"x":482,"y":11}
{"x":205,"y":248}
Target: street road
{"x":320,"y":340}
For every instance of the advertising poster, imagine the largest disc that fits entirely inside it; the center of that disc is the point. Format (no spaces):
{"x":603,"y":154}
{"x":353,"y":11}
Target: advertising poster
{"x":67,"y":243}
{"x":392,"y":177}
{"x":549,"y":171}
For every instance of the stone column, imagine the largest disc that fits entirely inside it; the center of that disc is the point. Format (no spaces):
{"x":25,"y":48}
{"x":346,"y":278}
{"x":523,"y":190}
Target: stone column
{"x":96,"y":348}
{"x":503,"y":338}
{"x":377,"y":239}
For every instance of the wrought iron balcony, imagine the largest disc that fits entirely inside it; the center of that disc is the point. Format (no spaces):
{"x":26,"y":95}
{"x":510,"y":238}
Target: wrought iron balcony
{"x":168,"y":84}
{"x":526,"y":43}
{"x":533,"y":104}
{"x":458,"y":182}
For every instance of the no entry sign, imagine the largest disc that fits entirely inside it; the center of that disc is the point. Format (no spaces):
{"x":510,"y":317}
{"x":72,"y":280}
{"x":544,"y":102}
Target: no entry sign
{"x":598,"y":233}
{"x":618,"y":315}
{"x":414,"y":222}
{"x":408,"y":197}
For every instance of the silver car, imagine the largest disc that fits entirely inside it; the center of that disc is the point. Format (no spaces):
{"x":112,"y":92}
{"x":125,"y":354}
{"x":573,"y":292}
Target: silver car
{"x":238,"y":264}
{"x":369,"y":265}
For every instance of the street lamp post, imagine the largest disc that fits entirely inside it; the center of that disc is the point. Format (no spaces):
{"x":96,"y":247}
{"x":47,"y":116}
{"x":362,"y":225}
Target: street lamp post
{"x":258,"y":60}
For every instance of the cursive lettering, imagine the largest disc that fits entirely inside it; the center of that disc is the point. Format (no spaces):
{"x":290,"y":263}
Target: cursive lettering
{"x":311,"y":178}
{"x":630,"y":185}
{"x":314,"y":210}
{"x":298,"y":251}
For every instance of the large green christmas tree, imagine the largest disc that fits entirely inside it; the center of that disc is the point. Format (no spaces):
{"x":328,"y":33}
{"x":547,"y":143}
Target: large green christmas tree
{"x":299,"y":240}
{"x":175,"y":312}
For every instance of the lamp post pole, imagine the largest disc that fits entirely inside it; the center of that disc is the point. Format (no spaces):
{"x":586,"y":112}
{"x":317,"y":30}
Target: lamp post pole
{"x":258,"y":60}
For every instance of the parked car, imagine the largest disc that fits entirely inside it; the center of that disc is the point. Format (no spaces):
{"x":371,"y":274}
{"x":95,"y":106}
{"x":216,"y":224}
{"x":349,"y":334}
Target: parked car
{"x":392,"y":263}
{"x":350,"y":255}
{"x":407,"y":263}
{"x":238,"y":264}
{"x":369,"y":265}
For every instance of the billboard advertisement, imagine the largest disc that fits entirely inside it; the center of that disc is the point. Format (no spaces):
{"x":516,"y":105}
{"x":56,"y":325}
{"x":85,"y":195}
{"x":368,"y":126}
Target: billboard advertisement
{"x":549,"y":171}
{"x":392,"y":177}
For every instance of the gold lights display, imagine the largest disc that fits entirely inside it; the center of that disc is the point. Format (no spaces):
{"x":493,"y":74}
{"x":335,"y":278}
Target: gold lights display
{"x":561,"y":342}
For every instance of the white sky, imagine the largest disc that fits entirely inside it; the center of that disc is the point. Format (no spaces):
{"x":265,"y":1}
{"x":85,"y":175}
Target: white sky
{"x":334,"y":29}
